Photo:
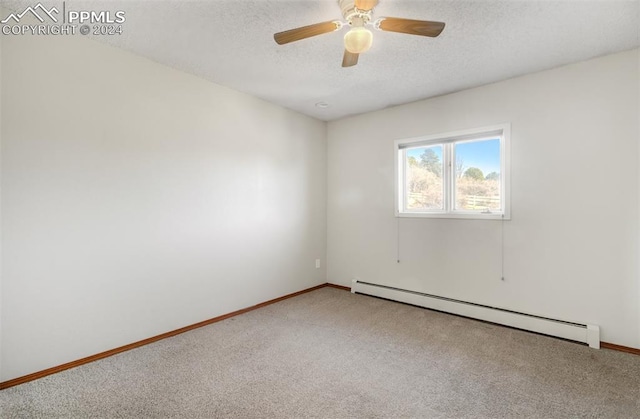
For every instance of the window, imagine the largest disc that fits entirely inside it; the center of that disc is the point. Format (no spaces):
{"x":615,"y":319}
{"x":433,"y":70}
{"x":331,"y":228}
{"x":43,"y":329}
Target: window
{"x":454,"y":175}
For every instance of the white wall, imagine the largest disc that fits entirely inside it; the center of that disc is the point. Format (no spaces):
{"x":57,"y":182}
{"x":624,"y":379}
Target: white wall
{"x":638,"y":170}
{"x":137,"y":199}
{"x":1,"y":309}
{"x":571,"y":247}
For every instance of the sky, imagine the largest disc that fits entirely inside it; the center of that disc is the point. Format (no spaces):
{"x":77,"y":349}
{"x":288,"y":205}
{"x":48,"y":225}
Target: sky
{"x":485,"y":155}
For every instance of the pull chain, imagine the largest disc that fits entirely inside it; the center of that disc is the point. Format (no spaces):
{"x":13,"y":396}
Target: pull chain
{"x":398,"y":240}
{"x":502,"y":247}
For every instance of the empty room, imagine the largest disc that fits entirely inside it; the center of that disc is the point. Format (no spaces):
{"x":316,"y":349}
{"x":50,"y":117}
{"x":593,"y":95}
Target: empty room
{"x":319,"y":208}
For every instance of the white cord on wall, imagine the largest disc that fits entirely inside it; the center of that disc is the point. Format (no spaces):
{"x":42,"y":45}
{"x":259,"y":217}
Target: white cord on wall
{"x":502,"y":248}
{"x":398,"y":243}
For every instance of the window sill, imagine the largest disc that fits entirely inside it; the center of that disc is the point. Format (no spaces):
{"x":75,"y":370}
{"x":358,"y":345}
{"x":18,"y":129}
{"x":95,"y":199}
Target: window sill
{"x":462,"y":216}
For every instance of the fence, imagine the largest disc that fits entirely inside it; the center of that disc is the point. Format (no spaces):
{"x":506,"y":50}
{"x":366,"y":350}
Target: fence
{"x":480,"y":202}
{"x":469,"y":202}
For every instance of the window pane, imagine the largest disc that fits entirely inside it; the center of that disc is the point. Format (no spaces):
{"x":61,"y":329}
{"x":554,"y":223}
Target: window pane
{"x":424,"y":187}
{"x":477,"y":176}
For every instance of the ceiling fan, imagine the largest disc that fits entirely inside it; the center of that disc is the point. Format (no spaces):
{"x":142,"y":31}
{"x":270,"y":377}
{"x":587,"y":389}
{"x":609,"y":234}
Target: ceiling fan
{"x":358,"y":14}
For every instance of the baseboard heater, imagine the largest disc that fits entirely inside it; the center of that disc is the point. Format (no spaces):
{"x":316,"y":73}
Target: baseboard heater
{"x":584,"y":333}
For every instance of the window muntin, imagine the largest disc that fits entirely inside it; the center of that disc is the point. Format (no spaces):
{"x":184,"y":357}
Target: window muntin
{"x":454,"y":175}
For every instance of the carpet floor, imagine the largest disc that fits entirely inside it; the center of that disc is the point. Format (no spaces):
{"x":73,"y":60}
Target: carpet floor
{"x":333,"y":354}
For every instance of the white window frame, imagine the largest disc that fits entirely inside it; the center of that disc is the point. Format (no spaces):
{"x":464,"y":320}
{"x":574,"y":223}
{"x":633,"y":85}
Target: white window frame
{"x":448,"y":140}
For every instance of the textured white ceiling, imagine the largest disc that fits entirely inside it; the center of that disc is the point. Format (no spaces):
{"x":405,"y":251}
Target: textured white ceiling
{"x":230,"y":42}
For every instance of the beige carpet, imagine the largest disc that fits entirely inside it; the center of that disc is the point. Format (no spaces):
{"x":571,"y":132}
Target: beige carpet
{"x":332,"y":354}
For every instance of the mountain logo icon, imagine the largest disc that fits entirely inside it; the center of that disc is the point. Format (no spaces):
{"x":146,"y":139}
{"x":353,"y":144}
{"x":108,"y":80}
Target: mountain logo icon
{"x":34,"y":11}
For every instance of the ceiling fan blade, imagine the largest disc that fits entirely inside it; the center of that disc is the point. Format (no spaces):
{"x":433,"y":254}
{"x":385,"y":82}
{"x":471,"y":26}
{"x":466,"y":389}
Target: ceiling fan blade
{"x":349,"y":59}
{"x":366,"y":5}
{"x":306,"y":32}
{"x":410,"y":26}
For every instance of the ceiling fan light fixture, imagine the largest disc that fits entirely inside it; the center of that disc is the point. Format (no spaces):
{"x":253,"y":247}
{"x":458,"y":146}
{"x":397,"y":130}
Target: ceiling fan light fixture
{"x":358,"y":40}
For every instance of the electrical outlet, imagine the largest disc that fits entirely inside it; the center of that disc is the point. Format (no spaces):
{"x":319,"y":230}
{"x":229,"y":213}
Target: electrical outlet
{"x":317,"y":263}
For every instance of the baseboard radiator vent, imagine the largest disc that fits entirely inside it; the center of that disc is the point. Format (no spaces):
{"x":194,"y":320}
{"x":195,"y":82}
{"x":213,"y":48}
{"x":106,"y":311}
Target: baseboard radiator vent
{"x":584,"y":333}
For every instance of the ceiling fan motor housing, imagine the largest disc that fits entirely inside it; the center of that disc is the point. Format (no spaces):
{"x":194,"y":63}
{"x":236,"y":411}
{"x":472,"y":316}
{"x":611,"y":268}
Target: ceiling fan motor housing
{"x":349,"y":11}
